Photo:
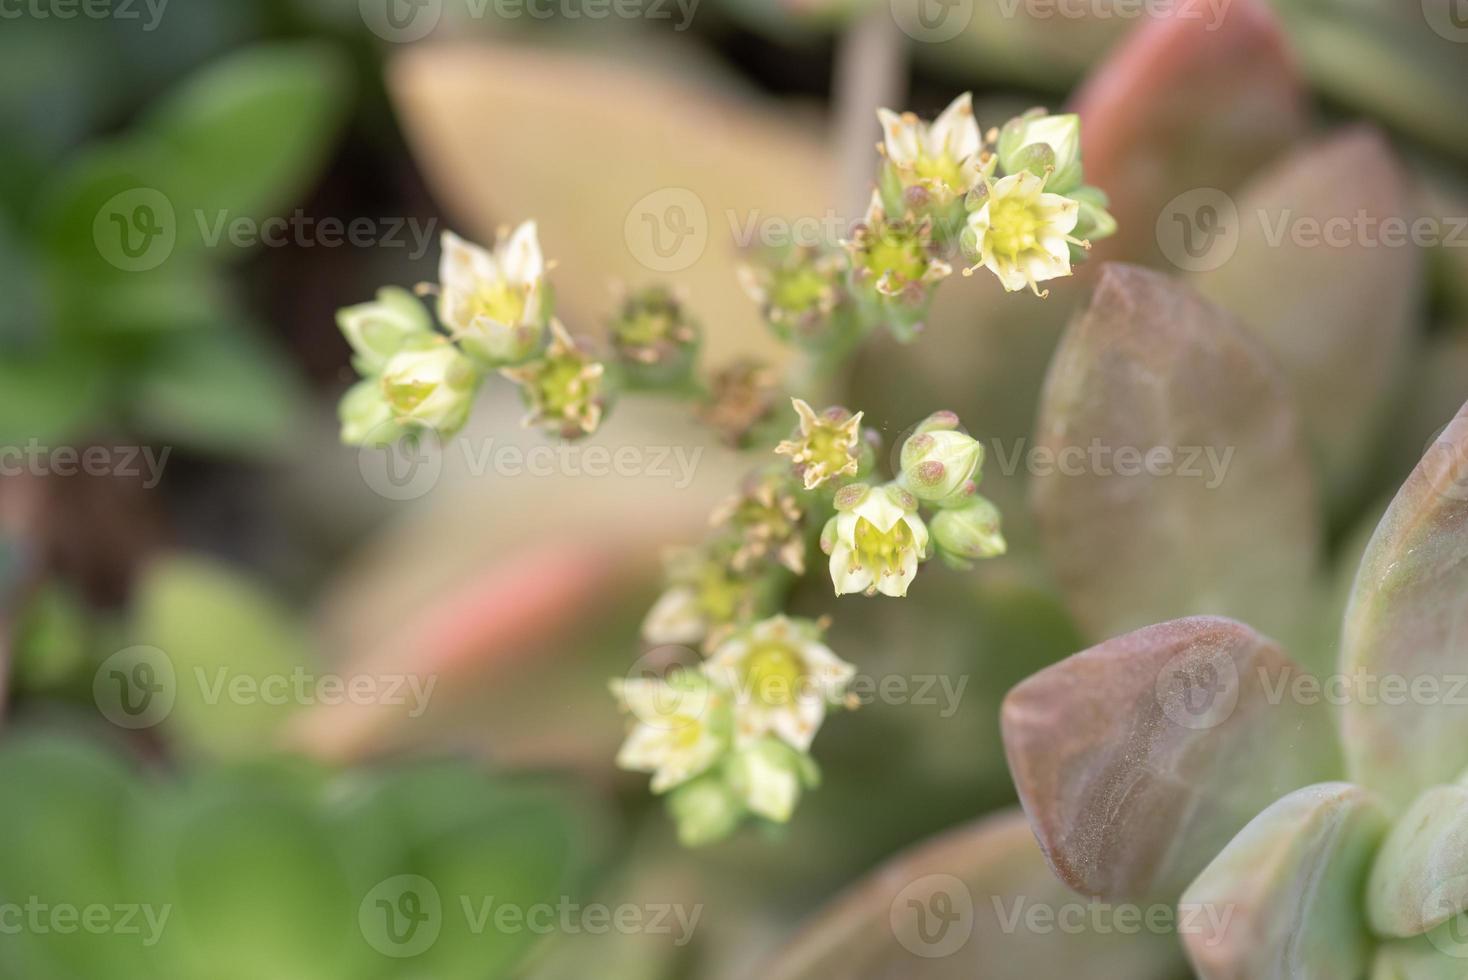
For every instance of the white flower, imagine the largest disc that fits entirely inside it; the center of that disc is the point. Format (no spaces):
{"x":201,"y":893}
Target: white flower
{"x":1022,"y":234}
{"x":492,"y":302}
{"x":782,"y":678}
{"x":876,"y":540}
{"x":377,"y":330}
{"x":430,"y":385}
{"x":942,"y":156}
{"x":679,"y":728}
{"x":366,"y":418}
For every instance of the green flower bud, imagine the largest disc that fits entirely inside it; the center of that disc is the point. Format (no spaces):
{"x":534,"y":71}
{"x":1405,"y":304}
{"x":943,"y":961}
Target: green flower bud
{"x":965,"y":534}
{"x":801,"y":295}
{"x":1093,"y":222}
{"x":706,"y":810}
{"x":939,"y":463}
{"x":895,"y":265}
{"x":1023,"y":143}
{"x":379,"y":329}
{"x":654,"y":338}
{"x":365,"y":416}
{"x":431,"y":385}
{"x":768,"y":777}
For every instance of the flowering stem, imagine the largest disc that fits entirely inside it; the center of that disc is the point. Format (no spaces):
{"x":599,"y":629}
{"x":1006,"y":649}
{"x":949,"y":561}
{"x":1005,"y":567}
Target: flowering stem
{"x":871,"y":71}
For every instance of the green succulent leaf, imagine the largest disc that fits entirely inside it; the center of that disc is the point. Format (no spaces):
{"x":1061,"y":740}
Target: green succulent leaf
{"x":962,"y":905}
{"x":1420,"y":879}
{"x":1138,"y":759}
{"x":1223,"y":519}
{"x":1281,"y":902}
{"x":1406,"y":628}
{"x":1317,"y":278}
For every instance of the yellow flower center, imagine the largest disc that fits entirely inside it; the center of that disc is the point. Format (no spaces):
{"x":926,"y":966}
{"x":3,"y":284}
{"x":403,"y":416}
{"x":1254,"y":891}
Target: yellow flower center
{"x":798,"y":290}
{"x":898,"y":252}
{"x":1015,"y":225}
{"x":500,"y":301}
{"x":405,"y":396}
{"x":773,"y":673}
{"x":882,"y":550}
{"x":943,"y":169}
{"x":719,"y":596}
{"x":686,"y":731}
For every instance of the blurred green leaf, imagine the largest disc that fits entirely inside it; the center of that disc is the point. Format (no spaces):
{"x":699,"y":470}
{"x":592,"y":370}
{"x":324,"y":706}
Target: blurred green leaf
{"x":244,"y":137}
{"x":221,"y":390}
{"x":49,"y":397}
{"x":220,"y":629}
{"x":53,"y":638}
{"x":1419,"y":877}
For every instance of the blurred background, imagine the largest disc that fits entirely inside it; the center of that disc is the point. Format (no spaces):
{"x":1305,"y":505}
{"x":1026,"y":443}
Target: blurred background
{"x":189,"y":190}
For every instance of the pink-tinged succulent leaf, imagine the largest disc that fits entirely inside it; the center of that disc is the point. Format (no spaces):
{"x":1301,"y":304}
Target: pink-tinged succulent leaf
{"x":1199,"y":99}
{"x":1420,"y":878}
{"x":1282,"y":902}
{"x":633,"y":172}
{"x":1405,"y":642}
{"x":1138,"y":759}
{"x":1326,"y":276}
{"x":1216,"y":511}
{"x":977,"y":903}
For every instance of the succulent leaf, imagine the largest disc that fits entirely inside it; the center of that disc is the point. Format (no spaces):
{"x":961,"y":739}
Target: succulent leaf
{"x":1283,"y":896}
{"x":1420,"y":878}
{"x":1215,"y":512}
{"x":1138,"y":759}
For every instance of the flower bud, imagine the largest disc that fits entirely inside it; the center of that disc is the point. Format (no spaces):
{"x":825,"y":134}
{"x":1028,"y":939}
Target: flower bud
{"x":1047,"y":146}
{"x":800,"y":295}
{"x":706,"y":810}
{"x":964,"y":534}
{"x":895,"y":264}
{"x":366,"y":418}
{"x":766,"y":520}
{"x":768,"y":777}
{"x":741,"y":399}
{"x":379,"y":329}
{"x":430,"y":385}
{"x":940,"y":463}
{"x":654,"y":338}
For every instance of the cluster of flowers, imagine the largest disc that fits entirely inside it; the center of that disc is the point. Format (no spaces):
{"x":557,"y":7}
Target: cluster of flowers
{"x":1012,"y":201}
{"x":496,"y":309}
{"x":731,"y":739}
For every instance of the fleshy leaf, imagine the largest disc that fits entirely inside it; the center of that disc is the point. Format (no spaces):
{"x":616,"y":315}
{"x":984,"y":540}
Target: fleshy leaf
{"x":1198,"y":99}
{"x":1222,"y":520}
{"x":1317,"y":279}
{"x":681,"y":176}
{"x":1439,"y":955}
{"x":1138,"y":759}
{"x":1420,"y":879}
{"x":1282,"y":900}
{"x":1406,"y":630}
{"x":959,"y":907}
